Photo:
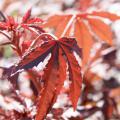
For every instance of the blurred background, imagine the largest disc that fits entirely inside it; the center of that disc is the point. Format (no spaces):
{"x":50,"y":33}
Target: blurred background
{"x":100,"y":99}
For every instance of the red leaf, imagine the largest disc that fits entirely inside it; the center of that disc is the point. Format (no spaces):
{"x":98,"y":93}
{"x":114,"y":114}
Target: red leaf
{"x":55,"y":71}
{"x":85,"y":40}
{"x":102,"y":30}
{"x":74,"y":76}
{"x":47,"y":95}
{"x":25,"y":45}
{"x":52,"y":21}
{"x":34,"y":20}
{"x":83,"y":34}
{"x":107,"y":15}
{"x":36,"y":55}
{"x":63,"y":23}
{"x":62,"y":71}
{"x":26,"y":16}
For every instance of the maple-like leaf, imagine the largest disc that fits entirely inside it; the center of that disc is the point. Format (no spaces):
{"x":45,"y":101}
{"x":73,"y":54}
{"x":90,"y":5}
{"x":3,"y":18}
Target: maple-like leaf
{"x":15,"y":30}
{"x":27,"y":22}
{"x":85,"y":27}
{"x":9,"y":24}
{"x":62,"y":53}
